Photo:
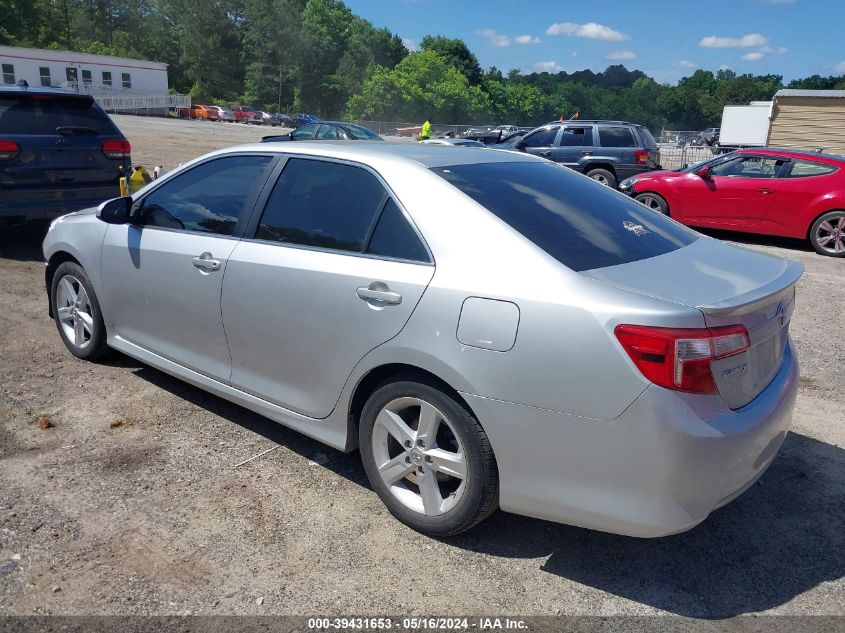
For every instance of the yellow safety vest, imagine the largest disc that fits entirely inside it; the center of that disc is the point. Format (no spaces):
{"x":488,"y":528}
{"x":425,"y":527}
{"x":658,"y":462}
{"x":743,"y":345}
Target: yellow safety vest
{"x":426,"y":130}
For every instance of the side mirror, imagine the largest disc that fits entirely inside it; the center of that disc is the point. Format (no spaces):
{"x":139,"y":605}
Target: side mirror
{"x":703,"y":172}
{"x":116,"y":210}
{"x":520,"y":144}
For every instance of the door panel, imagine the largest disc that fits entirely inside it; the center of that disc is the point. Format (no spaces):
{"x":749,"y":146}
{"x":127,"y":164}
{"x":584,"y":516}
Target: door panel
{"x":541,"y":142}
{"x":298,"y":320}
{"x":157,"y":298}
{"x":574,"y":143}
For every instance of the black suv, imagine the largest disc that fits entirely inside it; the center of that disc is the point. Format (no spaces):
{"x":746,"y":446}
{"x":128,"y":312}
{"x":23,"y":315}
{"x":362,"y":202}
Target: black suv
{"x":59,"y":152}
{"x":607,"y":151}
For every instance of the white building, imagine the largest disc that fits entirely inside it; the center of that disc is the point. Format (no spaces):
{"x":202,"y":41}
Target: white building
{"x":117,"y":83}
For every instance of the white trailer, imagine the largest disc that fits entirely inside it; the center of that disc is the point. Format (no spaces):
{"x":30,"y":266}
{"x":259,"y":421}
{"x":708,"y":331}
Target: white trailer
{"x":745,"y":126}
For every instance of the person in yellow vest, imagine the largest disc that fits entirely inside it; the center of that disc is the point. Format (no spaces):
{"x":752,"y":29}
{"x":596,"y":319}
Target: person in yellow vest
{"x":425,"y":134}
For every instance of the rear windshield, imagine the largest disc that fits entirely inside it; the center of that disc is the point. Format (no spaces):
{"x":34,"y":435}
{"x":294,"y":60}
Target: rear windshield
{"x":648,"y":139}
{"x":582,"y":224}
{"x":42,"y":114}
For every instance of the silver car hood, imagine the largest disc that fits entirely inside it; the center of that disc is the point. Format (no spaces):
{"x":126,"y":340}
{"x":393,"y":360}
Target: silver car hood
{"x":715,"y":277}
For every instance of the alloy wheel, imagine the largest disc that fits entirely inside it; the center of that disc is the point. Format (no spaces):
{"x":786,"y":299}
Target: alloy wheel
{"x":651,"y":202}
{"x":73,"y":307}
{"x":419,"y":456}
{"x":830,"y":235}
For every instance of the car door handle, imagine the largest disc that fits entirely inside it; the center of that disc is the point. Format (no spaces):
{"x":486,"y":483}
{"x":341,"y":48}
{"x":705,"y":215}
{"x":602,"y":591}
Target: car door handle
{"x":379,"y":292}
{"x":546,"y":153}
{"x":206,"y":261}
{"x":766,"y":191}
{"x":586,"y":153}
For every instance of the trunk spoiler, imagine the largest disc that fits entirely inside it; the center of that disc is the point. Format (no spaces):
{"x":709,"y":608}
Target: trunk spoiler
{"x":754,"y":299}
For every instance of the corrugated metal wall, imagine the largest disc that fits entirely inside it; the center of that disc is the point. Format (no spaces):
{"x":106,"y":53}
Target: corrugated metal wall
{"x":809,"y":123}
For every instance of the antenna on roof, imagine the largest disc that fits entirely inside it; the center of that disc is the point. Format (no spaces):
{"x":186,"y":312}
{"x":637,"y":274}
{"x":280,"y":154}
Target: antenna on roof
{"x":23,"y":83}
{"x":819,"y":150}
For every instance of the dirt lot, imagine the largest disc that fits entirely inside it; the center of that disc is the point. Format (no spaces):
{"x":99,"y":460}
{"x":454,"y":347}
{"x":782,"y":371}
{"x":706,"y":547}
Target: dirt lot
{"x":130,"y":503}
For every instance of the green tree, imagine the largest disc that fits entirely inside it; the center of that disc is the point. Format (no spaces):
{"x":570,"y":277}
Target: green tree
{"x":456,"y":53}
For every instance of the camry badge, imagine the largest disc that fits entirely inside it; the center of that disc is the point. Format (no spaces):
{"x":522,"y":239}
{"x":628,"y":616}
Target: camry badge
{"x":637,"y":229}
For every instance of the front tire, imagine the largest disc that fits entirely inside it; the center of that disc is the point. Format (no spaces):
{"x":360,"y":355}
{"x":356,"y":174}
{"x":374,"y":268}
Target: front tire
{"x":77,"y":313}
{"x":827,"y":234}
{"x":603,"y":176}
{"x":653,"y":201}
{"x":428,"y":458}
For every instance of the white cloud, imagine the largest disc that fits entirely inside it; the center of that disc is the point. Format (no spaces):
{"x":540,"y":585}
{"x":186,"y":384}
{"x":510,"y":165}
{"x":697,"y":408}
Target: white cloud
{"x":840,"y":67}
{"x":410,"y":44}
{"x":526,"y":39}
{"x":768,"y":50}
{"x":590,"y":30}
{"x":752,"y":57}
{"x":621,"y":55}
{"x":725,"y":67}
{"x":746,"y":41}
{"x":548,"y":67}
{"x":494,"y":39}
{"x":685,"y":63}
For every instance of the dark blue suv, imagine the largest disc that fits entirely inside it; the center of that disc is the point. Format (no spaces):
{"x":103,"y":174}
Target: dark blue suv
{"x":59,"y":152}
{"x":607,"y":151}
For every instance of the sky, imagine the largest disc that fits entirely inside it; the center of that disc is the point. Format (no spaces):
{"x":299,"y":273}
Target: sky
{"x":666,"y":39}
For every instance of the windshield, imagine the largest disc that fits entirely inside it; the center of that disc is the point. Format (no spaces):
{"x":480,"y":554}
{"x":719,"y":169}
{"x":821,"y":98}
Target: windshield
{"x":710,"y":162}
{"x":42,"y":113}
{"x":582,"y":224}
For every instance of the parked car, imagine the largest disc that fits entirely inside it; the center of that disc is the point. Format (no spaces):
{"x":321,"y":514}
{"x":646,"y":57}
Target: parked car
{"x":768,"y":191}
{"x":453,"y":142}
{"x":284,"y":120}
{"x":59,"y":152}
{"x":606,"y":151}
{"x":628,"y":375}
{"x":326,"y":131}
{"x":710,"y":136}
{"x":301,"y":119}
{"x":267,"y":118}
{"x":204,"y":112}
{"x":246,"y":115}
{"x":223,"y":114}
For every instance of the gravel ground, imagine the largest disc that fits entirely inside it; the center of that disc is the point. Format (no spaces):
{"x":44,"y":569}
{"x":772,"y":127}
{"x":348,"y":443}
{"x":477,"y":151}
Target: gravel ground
{"x":129,"y":502}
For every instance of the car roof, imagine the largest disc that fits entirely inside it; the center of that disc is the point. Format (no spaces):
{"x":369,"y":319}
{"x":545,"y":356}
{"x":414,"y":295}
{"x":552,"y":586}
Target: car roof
{"x":42,"y":90}
{"x":378,"y":152}
{"x":592,"y":121}
{"x":792,"y":153}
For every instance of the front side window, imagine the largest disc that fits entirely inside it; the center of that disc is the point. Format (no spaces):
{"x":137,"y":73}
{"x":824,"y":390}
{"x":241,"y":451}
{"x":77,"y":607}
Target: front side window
{"x":749,"y":167}
{"x":616,"y":137}
{"x":541,"y":138}
{"x":44,"y":73}
{"x":304,"y":133}
{"x":127,"y":80}
{"x":805,"y":168}
{"x":577,"y":137}
{"x":106,"y":78}
{"x":580,"y":223}
{"x":322,"y":204}
{"x":8,"y":74}
{"x":210,"y":198}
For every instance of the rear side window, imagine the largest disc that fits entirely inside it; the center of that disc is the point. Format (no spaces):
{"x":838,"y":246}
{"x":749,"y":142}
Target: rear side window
{"x":616,"y":137}
{"x":582,"y":224}
{"x":323,"y":204}
{"x":648,"y":139}
{"x":577,"y":137}
{"x":541,"y":138}
{"x":394,"y":237}
{"x":804,"y":168}
{"x":210,"y":198}
{"x":42,"y":114}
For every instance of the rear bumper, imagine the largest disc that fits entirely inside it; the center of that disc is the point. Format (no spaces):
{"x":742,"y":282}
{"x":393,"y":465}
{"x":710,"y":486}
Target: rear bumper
{"x":660,"y":468}
{"x":52,"y":204}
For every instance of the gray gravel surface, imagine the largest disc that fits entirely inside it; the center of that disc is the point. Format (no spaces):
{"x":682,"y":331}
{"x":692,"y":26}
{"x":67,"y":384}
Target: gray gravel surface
{"x":128,"y":502}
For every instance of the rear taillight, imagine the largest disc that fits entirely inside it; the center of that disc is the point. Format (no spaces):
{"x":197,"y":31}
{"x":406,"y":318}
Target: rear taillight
{"x":641,"y":156}
{"x":680,"y":359}
{"x":8,"y":149}
{"x":117,"y":149}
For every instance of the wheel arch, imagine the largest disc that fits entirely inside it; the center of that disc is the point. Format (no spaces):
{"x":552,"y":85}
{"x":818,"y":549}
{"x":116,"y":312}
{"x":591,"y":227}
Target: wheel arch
{"x":56,"y":259}
{"x":817,"y":216}
{"x":652,"y":192}
{"x":588,"y":167}
{"x":392,"y":372}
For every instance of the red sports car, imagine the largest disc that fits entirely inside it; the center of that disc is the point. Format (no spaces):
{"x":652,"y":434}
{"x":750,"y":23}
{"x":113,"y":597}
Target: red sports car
{"x":769,"y":191}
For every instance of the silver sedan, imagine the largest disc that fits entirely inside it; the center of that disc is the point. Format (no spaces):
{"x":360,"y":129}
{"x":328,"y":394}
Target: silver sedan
{"x":490,"y":329}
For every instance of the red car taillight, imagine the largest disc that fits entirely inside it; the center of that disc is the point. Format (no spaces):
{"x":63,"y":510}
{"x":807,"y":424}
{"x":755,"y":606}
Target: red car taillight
{"x":641,"y":156}
{"x":680,"y":359}
{"x":8,"y":150}
{"x":117,"y":149}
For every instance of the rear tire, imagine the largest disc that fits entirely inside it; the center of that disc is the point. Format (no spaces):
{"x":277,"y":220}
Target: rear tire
{"x":653,"y":201}
{"x":827,"y":234}
{"x":603,"y":176}
{"x":428,"y":458}
{"x":77,"y":313}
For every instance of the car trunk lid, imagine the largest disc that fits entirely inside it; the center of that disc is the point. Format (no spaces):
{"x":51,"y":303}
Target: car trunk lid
{"x":730,"y":286}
